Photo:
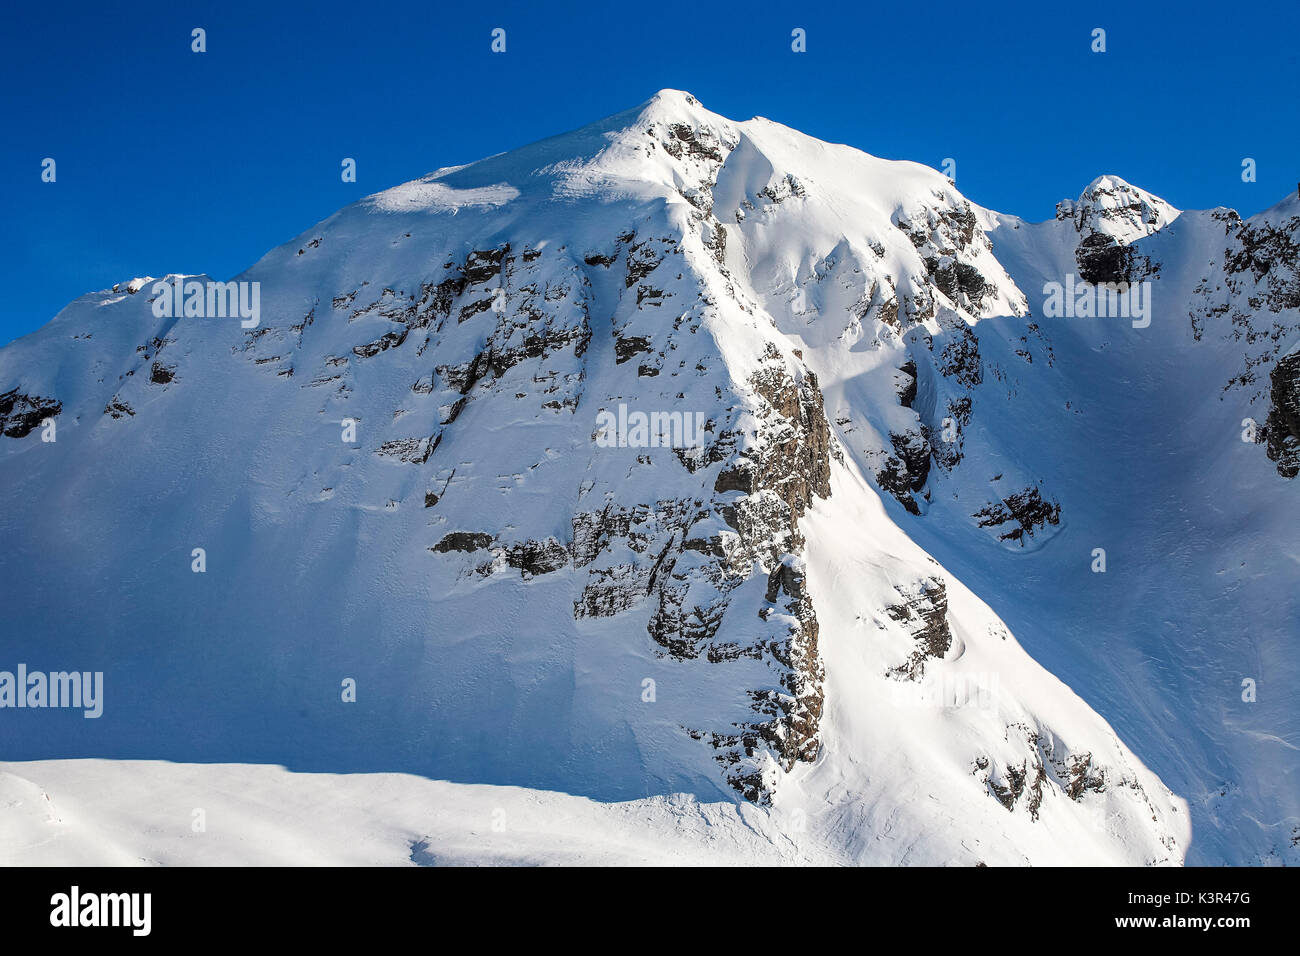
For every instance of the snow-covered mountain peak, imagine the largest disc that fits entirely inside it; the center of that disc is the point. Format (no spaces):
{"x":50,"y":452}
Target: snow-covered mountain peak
{"x":677,"y":106}
{"x":428,"y":467}
{"x":1113,"y":208}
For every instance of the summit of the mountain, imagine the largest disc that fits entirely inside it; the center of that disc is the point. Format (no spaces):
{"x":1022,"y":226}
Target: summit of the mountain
{"x":1117,"y":210}
{"x":1108,"y":218}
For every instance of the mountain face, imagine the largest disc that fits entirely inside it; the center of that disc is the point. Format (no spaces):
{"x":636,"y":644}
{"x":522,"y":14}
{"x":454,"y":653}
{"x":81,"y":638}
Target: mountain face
{"x":677,"y":454}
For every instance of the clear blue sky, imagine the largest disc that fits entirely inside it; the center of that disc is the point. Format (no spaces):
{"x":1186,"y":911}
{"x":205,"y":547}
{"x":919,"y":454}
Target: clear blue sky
{"x":171,"y":161}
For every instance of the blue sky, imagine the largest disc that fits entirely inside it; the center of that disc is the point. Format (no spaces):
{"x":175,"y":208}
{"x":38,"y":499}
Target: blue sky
{"x":172,"y":161}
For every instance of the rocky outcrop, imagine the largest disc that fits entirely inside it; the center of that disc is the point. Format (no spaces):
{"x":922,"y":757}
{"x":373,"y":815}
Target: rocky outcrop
{"x":793,"y":713}
{"x":160,"y":374}
{"x":413,"y":450}
{"x":763,"y":491}
{"x":693,"y":141}
{"x":1009,"y":784}
{"x":629,"y":346}
{"x":1271,"y":255}
{"x":1282,"y":429}
{"x":21,"y":414}
{"x":482,"y":265}
{"x":463,"y":541}
{"x":531,"y":558}
{"x":960,"y":358}
{"x":905,"y":472}
{"x":1026,"y":510}
{"x":1253,"y":305}
{"x":1046,"y":767}
{"x":1103,"y":260}
{"x":924,"y":612}
{"x":948,"y":239}
{"x":783,"y":188}
{"x":385,"y":342}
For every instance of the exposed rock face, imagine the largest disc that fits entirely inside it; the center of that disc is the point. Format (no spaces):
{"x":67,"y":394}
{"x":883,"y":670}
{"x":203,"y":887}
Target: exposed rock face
{"x":783,"y":188}
{"x":694,"y":141}
{"x":160,"y":374}
{"x":628,"y":346}
{"x":795,"y":711}
{"x":21,"y":414}
{"x":1270,"y":254}
{"x":1014,"y":781}
{"x":1047,"y":767}
{"x":1254,"y":305}
{"x":760,"y":494}
{"x":483,"y":265}
{"x":934,"y":438}
{"x":947,"y":239}
{"x":1283,"y":425}
{"x":948,"y":449}
{"x":907,"y":387}
{"x":789,"y":732}
{"x":1026,"y":509}
{"x":644,"y":257}
{"x":960,"y":358}
{"x":904,"y":473}
{"x":415,"y":450}
{"x":382,"y":344}
{"x":1103,"y":260}
{"x":514,"y":315}
{"x":924,"y":611}
{"x":1081,"y":776}
{"x":463,"y":541}
{"x":529,"y":557}
{"x":537,"y":557}
{"x":794,"y":464}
